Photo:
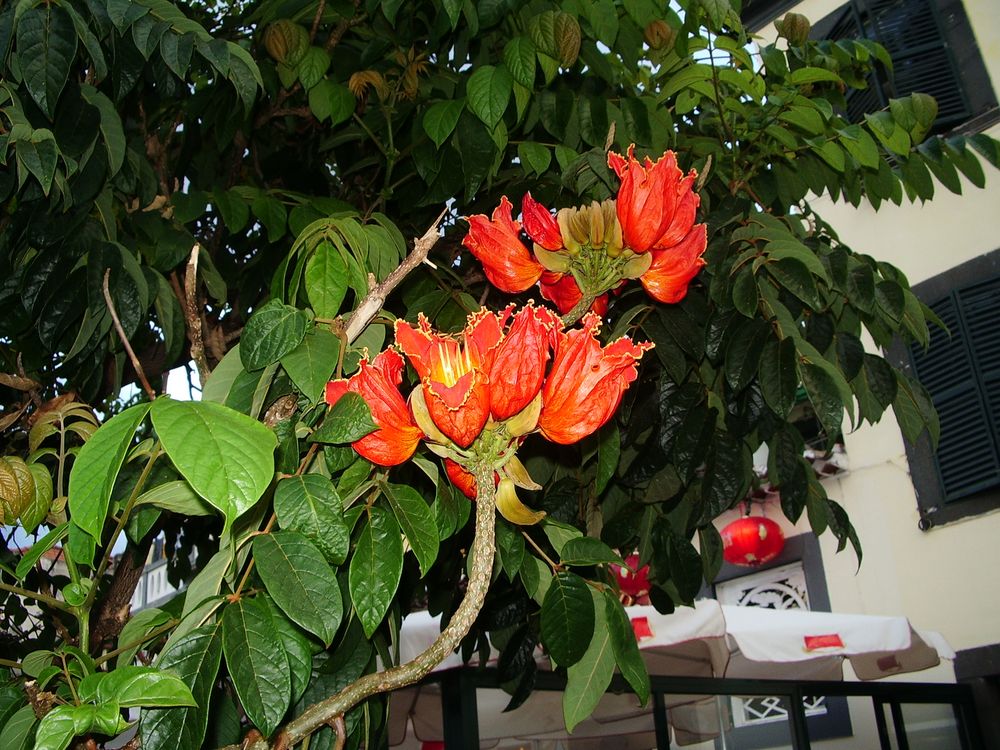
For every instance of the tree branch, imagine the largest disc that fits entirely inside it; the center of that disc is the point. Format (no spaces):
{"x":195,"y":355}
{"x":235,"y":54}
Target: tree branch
{"x":373,"y":302}
{"x":481,"y":569}
{"x":121,"y":334}
{"x":193,"y":315}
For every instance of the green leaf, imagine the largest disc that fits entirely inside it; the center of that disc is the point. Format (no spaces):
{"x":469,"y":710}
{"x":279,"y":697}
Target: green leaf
{"x":806,"y":75}
{"x":585,"y":550}
{"x":417,"y":521}
{"x":143,"y":686}
{"x":18,"y":732}
{"x":176,"y":50}
{"x":309,"y":503}
{"x":489,"y":90}
{"x":300,"y":581}
{"x":111,"y":126}
{"x":375,"y":568}
{"x":778,"y":376}
{"x":46,"y":46}
{"x":194,"y":658}
{"x":510,"y":548}
{"x":220,"y":382}
{"x":441,"y":118}
{"x":824,"y":395}
{"x":608,"y":453}
{"x":804,"y":118}
{"x":227,"y":457}
{"x":272,"y":215}
{"x":534,"y":157}
{"x":781,"y":249}
{"x":914,"y":410}
{"x":297,"y":648}
{"x":312,"y":67}
{"x":350,"y":419}
{"x":137,"y":627}
{"x":567,"y":621}
{"x":94,"y":473}
{"x":60,"y":725}
{"x":312,"y":362}
{"x":326,"y":280}
{"x":272,"y":331}
{"x":257,"y":662}
{"x":519,"y":57}
{"x":38,"y":506}
{"x":589,"y":677}
{"x":39,"y":154}
{"x":559,"y":533}
{"x":39,"y":548}
{"x":331,"y":101}
{"x":626,"y":649}
{"x":177,"y":497}
{"x":795,"y":276}
{"x":710,"y":548}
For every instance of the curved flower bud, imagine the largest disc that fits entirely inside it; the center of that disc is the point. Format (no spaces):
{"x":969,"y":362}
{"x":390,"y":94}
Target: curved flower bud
{"x":586,"y":383}
{"x":518,"y":368}
{"x":672,"y":269}
{"x":562,"y":290}
{"x":512,"y":508}
{"x":495,"y":242}
{"x":464,"y":480}
{"x":540,"y":225}
{"x":649,"y":197}
{"x":377,"y":382}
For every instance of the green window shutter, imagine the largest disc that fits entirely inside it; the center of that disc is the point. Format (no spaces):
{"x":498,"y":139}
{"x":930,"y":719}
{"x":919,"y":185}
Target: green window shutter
{"x":962,"y":373}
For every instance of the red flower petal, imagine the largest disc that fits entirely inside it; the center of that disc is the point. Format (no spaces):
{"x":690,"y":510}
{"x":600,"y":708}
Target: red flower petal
{"x":540,"y":225}
{"x":586,"y":383}
{"x":377,"y":382}
{"x":672,"y":269}
{"x":519,"y":366}
{"x":562,"y":290}
{"x":507,"y":263}
{"x":464,"y":480}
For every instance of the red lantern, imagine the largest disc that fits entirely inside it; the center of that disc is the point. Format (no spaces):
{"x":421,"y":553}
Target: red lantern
{"x":751,"y":541}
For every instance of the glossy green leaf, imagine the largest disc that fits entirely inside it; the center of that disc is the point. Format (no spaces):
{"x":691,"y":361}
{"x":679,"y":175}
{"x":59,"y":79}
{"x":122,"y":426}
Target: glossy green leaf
{"x":272,"y":331}
{"x":94,"y":473}
{"x":297,"y":649}
{"x":257,"y":662}
{"x":331,"y":101}
{"x":60,"y":725}
{"x":350,"y":419}
{"x":416,"y":519}
{"x":778,"y":376}
{"x":441,"y":118}
{"x":586,"y":550}
{"x":195,"y":659}
{"x":624,"y":645}
{"x":177,"y":497}
{"x":143,"y":686}
{"x":375,"y":568}
{"x":489,"y":90}
{"x":535,"y":157}
{"x":19,"y":731}
{"x":326,"y":280}
{"x":39,"y":548}
{"x":589,"y":677}
{"x":39,"y":154}
{"x":46,"y":45}
{"x":227,"y":457}
{"x":137,"y":627}
{"x":312,"y":67}
{"x":519,"y":57}
{"x":38,"y":505}
{"x":309,"y":503}
{"x":608,"y":453}
{"x":567,"y":623}
{"x":312,"y":362}
{"x":300,"y":581}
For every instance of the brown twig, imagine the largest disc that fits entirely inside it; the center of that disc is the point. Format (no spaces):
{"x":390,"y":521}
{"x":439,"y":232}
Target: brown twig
{"x":316,"y":19}
{"x":340,"y":730}
{"x":373,"y":302}
{"x":193,"y":315}
{"x":480,"y":572}
{"x":343,"y":25}
{"x":121,"y":334}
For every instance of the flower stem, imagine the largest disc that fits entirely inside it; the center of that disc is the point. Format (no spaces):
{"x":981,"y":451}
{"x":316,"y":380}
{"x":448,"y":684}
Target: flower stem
{"x":483,"y":547}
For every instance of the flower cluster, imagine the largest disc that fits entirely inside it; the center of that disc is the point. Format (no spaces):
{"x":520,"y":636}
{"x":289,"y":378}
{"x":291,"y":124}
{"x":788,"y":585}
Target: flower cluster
{"x":648,"y":233}
{"x":481,"y":393}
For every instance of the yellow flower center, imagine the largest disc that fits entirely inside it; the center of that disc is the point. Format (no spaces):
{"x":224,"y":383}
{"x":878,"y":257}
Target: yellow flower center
{"x":453,"y":363}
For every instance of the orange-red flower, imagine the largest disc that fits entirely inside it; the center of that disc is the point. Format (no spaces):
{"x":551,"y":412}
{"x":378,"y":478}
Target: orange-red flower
{"x":377,"y":382}
{"x":495,"y":242}
{"x":653,"y":200}
{"x":673,"y":268}
{"x":490,"y":372}
{"x":464,"y":480}
{"x":586,"y":382}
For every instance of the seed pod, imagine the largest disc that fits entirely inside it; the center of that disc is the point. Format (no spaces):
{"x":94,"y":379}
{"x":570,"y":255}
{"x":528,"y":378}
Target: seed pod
{"x":660,"y":35}
{"x":286,"y":41}
{"x":794,"y":27}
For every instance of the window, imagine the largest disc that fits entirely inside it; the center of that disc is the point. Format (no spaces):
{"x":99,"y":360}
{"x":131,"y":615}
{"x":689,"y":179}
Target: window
{"x":961,"y":371}
{"x":932,"y":46}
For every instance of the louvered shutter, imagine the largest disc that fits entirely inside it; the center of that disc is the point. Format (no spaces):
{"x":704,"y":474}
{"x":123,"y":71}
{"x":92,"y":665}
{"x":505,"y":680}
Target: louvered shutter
{"x":962,"y":374}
